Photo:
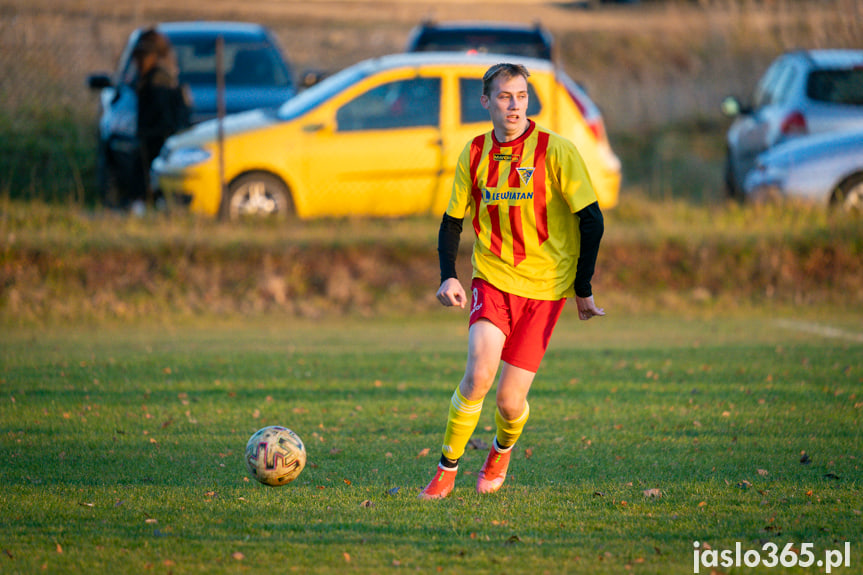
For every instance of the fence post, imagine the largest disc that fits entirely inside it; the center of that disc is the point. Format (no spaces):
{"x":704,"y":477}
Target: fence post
{"x":224,"y":206}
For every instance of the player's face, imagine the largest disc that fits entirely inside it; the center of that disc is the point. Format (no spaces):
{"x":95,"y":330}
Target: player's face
{"x":507,"y":106}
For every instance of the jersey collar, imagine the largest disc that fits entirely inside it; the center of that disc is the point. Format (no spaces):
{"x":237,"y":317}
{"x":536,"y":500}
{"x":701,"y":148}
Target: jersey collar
{"x":530,"y":127}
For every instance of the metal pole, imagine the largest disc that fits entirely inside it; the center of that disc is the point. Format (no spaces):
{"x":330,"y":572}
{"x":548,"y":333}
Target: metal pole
{"x":220,"y":111}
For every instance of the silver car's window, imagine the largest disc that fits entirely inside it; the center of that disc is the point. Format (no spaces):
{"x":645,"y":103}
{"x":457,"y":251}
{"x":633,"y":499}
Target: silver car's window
{"x":767,"y":85}
{"x":472,"y":112}
{"x":784,"y":86}
{"x":836,"y":86}
{"x":410,"y":103}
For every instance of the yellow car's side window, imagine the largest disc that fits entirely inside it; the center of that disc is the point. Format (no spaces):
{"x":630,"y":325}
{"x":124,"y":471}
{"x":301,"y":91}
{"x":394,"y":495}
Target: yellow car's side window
{"x":409,"y":103}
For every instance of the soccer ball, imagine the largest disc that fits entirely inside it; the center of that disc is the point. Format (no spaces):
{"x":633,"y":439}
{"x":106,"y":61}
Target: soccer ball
{"x":275,"y":455}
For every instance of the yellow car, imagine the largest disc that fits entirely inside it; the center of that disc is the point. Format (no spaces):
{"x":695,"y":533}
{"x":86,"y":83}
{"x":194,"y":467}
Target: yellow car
{"x":380,"y":138}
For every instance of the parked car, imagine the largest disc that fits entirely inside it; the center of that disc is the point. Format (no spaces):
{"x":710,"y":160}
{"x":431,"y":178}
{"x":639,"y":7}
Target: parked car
{"x":380,"y":138}
{"x":530,"y":41}
{"x":256,"y":75}
{"x":823,"y":168}
{"x":505,"y":38}
{"x":802,"y":92}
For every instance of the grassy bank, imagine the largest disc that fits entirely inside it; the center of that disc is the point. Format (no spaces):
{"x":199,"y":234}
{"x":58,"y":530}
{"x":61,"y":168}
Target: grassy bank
{"x":61,"y":264}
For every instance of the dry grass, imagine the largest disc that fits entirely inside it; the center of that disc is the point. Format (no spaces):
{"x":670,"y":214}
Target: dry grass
{"x":647,"y":63}
{"x":65,"y":265}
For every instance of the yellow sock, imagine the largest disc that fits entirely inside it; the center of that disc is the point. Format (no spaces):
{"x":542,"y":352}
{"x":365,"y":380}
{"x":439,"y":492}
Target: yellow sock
{"x":508,"y":432}
{"x":463,"y":419}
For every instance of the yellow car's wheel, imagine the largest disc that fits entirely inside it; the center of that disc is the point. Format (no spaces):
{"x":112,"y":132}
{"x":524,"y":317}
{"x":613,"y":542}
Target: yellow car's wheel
{"x":258,"y":195}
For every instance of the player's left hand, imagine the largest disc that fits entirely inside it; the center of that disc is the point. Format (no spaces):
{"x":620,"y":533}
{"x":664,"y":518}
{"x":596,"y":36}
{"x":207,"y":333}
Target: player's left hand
{"x":451,"y":293}
{"x":587,"y":308}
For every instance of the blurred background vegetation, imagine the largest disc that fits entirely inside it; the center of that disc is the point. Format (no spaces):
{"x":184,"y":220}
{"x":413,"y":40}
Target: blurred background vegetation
{"x":658,"y":70}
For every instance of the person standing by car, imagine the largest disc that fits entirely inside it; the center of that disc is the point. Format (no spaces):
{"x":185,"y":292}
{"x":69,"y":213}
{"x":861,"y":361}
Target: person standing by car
{"x":538,"y":228}
{"x":163,"y":106}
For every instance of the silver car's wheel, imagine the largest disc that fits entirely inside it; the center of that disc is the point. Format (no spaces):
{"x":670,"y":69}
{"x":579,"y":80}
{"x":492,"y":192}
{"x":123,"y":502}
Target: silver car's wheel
{"x":258,"y":196}
{"x":849,"y":194}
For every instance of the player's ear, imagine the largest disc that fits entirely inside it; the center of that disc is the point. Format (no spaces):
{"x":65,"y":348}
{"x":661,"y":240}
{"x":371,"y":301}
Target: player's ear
{"x":484,"y":101}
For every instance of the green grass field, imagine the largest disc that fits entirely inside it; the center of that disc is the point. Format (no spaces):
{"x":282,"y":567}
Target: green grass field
{"x":122,"y":447}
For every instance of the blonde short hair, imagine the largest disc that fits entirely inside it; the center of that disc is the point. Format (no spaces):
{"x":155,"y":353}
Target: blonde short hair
{"x":505,"y":70}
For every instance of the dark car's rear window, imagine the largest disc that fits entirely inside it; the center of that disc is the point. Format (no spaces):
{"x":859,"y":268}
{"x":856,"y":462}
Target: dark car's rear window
{"x":525,"y":43}
{"x":836,"y":86}
{"x":248,"y":61}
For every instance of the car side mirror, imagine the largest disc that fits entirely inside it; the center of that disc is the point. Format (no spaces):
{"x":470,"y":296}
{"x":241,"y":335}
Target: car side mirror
{"x":311,"y":77}
{"x":99,"y":81}
{"x":731,"y":107}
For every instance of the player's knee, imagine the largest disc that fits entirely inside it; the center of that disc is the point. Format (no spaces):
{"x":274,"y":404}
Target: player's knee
{"x":510,"y":408}
{"x":477,"y":382}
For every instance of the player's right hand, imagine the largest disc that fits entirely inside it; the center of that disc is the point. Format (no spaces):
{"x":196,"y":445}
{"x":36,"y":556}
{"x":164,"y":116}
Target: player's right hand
{"x":451,"y":293}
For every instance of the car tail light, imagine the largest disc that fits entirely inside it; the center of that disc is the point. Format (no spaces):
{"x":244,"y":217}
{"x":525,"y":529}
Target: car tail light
{"x":597,"y":126}
{"x":794,"y":123}
{"x":595,"y":123}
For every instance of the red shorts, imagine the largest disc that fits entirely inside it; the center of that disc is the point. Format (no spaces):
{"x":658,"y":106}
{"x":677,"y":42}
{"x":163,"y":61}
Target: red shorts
{"x":526,"y":323}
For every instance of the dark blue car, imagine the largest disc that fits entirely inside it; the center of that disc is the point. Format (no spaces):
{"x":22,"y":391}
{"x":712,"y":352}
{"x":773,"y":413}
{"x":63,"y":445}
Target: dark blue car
{"x":256,"y":75}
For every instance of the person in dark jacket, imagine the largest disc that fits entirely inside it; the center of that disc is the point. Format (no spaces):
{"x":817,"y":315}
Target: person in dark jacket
{"x":163,"y":105}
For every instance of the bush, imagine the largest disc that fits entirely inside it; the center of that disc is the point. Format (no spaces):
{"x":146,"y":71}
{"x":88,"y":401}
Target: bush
{"x":47,"y":154}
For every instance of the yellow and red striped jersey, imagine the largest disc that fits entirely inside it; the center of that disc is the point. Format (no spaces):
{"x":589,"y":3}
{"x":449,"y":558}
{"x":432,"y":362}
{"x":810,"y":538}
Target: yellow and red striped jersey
{"x":522,"y":196}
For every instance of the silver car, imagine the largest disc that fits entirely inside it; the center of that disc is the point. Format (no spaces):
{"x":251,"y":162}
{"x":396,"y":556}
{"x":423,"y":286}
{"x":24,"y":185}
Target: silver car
{"x":822,"y":168}
{"x":802,"y":92}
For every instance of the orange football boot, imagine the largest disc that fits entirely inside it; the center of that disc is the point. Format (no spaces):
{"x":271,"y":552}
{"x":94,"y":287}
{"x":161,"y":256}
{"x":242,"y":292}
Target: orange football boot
{"x":441,"y":484}
{"x":493,"y":471}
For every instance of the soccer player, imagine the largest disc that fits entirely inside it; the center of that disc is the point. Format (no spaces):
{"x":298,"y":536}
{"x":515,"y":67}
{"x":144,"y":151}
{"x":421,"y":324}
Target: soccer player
{"x":538,"y":228}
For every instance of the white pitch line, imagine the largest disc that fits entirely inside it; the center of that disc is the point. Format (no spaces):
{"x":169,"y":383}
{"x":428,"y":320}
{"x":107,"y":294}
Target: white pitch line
{"x":818,"y":329}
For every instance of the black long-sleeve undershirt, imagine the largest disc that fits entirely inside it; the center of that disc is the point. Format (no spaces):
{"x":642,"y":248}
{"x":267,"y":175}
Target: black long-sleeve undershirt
{"x":591,"y":226}
{"x":447,"y":245}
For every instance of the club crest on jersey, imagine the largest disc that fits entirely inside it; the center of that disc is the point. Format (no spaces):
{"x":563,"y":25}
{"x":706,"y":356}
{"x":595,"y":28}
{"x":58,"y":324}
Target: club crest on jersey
{"x":525,"y":174}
